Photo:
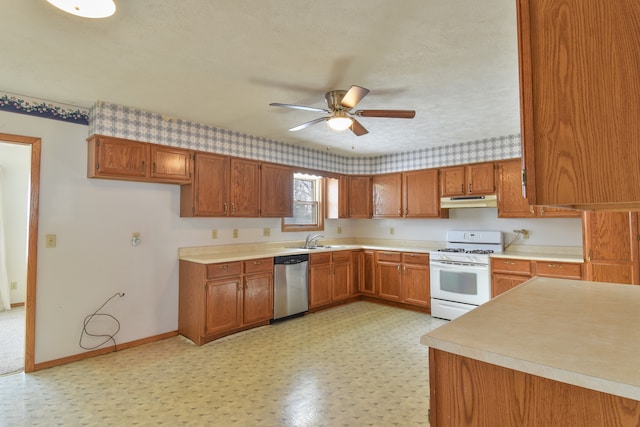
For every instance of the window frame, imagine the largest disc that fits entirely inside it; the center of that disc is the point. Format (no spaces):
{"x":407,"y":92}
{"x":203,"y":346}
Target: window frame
{"x":320,"y":195}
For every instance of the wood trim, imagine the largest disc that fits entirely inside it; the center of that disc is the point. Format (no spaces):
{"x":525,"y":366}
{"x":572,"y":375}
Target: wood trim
{"x":100,"y":351}
{"x":17,"y":304}
{"x":32,"y":250}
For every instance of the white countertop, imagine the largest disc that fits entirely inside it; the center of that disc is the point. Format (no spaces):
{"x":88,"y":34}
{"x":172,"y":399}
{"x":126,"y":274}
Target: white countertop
{"x":230,"y":253}
{"x":577,"y":332}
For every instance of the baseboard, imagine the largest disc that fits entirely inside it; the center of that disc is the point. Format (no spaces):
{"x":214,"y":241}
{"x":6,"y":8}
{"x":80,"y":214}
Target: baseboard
{"x":100,"y":351}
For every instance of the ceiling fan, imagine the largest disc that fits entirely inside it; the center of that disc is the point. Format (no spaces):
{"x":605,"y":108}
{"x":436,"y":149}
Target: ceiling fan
{"x":340,"y":103}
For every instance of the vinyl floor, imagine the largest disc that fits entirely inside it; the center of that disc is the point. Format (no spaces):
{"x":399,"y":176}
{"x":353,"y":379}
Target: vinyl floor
{"x":360,"y":364}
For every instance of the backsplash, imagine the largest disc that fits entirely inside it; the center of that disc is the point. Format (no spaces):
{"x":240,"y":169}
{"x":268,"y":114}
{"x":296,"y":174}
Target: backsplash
{"x":125,"y":122}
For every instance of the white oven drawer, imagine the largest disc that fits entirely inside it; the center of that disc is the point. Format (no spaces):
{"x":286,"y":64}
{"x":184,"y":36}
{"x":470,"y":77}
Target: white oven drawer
{"x":449,"y":310}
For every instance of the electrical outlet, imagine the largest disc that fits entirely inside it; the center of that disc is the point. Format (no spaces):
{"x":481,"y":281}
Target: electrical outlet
{"x":266,"y":232}
{"x":214,"y":234}
{"x":235,"y":233}
{"x":50,"y":241}
{"x":392,"y":231}
{"x":135,"y":238}
{"x":14,"y":286}
{"x":339,"y":230}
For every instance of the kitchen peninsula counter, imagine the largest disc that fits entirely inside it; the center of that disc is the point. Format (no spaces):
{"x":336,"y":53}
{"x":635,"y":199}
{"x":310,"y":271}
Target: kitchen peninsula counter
{"x":577,"y":333}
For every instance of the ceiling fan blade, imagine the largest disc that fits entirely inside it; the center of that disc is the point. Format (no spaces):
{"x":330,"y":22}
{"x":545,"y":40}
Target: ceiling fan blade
{"x":393,"y":114}
{"x":300,"y":107}
{"x":353,"y":96}
{"x":307,"y":124}
{"x":357,"y":128}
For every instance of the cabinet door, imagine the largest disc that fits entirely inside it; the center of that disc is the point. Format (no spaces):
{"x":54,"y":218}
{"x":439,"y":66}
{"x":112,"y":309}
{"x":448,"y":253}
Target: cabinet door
{"x":387,"y":195}
{"x":258,"y":298}
{"x":319,"y":285}
{"x":357,"y":271}
{"x":223,"y":305}
{"x":453,"y":181}
{"x":118,"y":158}
{"x":611,"y":246}
{"x":276,"y":195}
{"x":421,"y":194}
{"x":360,"y":197}
{"x":569,"y":101}
{"x":481,"y":179}
{"x":511,"y":202}
{"x":415,"y":285}
{"x":501,"y":282}
{"x":245,"y":188}
{"x":389,"y":280}
{"x":169,"y":164}
{"x":341,"y":280}
{"x":208,"y":194}
{"x":368,"y":284}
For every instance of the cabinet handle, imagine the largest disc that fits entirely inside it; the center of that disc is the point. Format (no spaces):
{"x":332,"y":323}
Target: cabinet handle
{"x":508,"y":262}
{"x":398,"y":267}
{"x":233,"y":207}
{"x":257,"y":262}
{"x":589,"y":255}
{"x":555,"y":265}
{"x":399,"y":211}
{"x":542,"y":210}
{"x":155,"y":169}
{"x":532,"y":209}
{"x":225,"y":208}
{"x":470,"y":188}
{"x":224,"y":266}
{"x":406,"y":211}
{"x":142,"y":165}
{"x":462,"y":188}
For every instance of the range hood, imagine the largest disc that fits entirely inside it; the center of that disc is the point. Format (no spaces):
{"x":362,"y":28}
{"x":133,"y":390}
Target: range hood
{"x":488,"y":201}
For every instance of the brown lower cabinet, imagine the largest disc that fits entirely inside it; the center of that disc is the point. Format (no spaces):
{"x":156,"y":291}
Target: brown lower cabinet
{"x":469,"y":392}
{"x":403,"y":277}
{"x":507,"y":273}
{"x":329,"y":278}
{"x":223,"y":298}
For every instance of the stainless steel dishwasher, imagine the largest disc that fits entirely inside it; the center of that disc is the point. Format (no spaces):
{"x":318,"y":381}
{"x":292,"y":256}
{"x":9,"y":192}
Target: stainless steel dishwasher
{"x":290,"y":288}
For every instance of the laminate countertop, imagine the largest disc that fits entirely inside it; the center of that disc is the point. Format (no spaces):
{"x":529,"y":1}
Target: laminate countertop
{"x":576,"y":332}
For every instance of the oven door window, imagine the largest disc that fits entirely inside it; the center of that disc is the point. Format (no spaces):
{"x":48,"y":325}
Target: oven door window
{"x":459,"y":282}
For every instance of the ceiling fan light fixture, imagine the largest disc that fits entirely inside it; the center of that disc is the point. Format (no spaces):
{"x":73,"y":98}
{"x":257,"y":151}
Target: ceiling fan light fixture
{"x":340,"y":122}
{"x":86,"y":8}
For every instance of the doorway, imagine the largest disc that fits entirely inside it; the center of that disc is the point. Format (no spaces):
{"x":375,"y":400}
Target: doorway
{"x":32,"y":244}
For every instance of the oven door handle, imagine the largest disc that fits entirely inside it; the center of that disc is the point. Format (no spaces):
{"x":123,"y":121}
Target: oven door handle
{"x":457,"y":266}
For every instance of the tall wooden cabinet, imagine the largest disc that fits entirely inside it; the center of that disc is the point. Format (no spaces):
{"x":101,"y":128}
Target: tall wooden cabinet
{"x":579,"y":87}
{"x":611,"y":247}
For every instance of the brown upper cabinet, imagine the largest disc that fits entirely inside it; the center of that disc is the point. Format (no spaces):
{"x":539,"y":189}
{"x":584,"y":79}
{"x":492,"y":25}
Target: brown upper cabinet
{"x":123,"y":159}
{"x":413,"y":194}
{"x":466,"y":180}
{"x":276,"y":195}
{"x":224,"y":186}
{"x":579,"y":89}
{"x":349,"y":196}
{"x":511,"y":202}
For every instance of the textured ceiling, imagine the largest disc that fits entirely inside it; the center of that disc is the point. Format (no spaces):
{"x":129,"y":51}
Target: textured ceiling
{"x":222,"y":62}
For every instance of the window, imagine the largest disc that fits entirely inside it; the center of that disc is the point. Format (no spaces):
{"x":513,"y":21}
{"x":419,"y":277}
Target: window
{"x":308,"y":212}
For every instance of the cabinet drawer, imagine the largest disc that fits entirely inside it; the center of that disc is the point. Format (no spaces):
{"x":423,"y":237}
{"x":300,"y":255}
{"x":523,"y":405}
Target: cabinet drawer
{"x":415,"y":258}
{"x":389,"y":256}
{"x":224,"y":269}
{"x":568,"y":270}
{"x":323,"y":258}
{"x":341,"y":256}
{"x":514,"y":266}
{"x":258,"y":265}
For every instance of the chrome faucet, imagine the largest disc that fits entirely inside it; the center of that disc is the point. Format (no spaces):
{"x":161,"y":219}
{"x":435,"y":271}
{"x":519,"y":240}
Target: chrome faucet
{"x":312,"y":238}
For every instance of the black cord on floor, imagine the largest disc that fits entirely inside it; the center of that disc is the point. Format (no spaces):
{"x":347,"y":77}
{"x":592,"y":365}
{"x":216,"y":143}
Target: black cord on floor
{"x":108,"y":337}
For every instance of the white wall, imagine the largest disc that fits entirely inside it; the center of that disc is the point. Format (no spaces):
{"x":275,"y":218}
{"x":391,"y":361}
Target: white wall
{"x":15,"y":161}
{"x":543,"y":231}
{"x":93,"y":220}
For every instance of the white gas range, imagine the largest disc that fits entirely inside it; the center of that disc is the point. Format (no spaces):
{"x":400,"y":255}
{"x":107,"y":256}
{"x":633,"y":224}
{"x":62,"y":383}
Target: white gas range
{"x":460,"y":276}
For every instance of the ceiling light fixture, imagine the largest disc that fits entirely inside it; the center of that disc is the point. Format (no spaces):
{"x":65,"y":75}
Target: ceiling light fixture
{"x":340,"y":121}
{"x":86,"y":8}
